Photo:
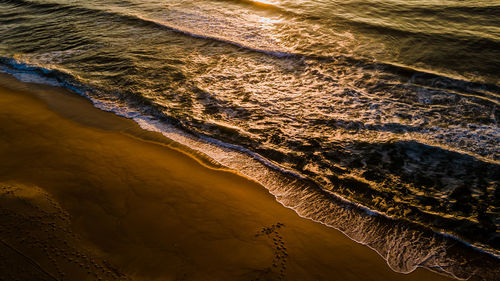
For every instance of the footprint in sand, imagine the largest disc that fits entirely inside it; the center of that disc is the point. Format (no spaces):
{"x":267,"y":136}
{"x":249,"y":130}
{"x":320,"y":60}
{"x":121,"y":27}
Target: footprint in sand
{"x":279,"y":262}
{"x":37,"y":242}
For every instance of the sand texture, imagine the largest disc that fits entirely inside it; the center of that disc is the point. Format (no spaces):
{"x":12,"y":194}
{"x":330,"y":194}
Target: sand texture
{"x":86,"y":195}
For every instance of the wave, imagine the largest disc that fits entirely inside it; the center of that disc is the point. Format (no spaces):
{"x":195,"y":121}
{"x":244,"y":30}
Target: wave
{"x":478,"y":41}
{"x":184,"y":102}
{"x":403,"y":244}
{"x":436,"y":80}
{"x":264,"y":5}
{"x":364,"y":62}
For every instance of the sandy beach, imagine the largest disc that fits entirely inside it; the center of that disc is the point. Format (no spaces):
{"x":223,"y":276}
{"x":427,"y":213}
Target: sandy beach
{"x":87,"y":195}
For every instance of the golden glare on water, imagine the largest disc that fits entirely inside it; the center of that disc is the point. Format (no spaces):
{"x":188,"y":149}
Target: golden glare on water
{"x":266,"y":2}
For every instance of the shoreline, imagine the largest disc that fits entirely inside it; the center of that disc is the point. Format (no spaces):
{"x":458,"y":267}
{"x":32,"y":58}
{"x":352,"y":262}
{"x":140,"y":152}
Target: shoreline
{"x":74,"y":162}
{"x":219,"y":154}
{"x":378,"y":232}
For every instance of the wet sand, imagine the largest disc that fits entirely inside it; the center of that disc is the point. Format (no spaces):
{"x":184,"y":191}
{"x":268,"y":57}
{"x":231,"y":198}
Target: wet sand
{"x":87,"y":195}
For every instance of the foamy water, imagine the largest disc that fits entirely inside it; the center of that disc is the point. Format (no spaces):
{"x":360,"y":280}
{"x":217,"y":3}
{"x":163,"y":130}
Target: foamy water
{"x":349,"y":112}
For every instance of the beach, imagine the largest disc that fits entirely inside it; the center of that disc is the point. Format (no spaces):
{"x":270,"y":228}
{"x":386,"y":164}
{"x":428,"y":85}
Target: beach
{"x":88,"y":195}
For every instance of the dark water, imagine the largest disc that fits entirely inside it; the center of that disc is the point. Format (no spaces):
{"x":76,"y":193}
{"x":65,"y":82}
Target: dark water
{"x":360,"y":107}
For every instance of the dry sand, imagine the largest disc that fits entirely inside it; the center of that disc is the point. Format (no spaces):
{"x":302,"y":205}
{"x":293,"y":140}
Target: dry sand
{"x":87,"y":195}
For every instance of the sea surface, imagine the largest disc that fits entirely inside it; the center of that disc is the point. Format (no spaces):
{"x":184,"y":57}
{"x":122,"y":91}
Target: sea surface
{"x":376,"y":117}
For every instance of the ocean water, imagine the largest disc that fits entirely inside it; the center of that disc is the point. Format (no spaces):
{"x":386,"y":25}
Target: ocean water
{"x":376,"y":117}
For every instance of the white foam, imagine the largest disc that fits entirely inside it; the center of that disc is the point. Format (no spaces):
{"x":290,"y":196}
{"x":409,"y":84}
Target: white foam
{"x":403,"y":247}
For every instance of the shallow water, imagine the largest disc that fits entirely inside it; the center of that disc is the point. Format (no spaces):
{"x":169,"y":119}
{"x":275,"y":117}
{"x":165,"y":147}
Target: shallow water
{"x":391,"y":105}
